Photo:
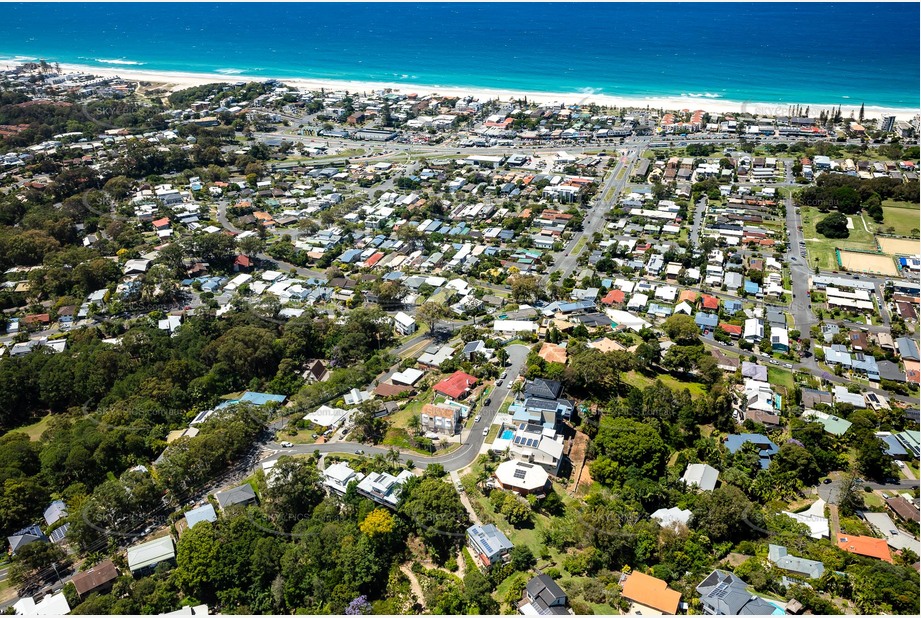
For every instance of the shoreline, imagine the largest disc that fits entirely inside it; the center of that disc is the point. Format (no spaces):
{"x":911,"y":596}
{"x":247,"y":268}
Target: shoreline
{"x":181,"y":80}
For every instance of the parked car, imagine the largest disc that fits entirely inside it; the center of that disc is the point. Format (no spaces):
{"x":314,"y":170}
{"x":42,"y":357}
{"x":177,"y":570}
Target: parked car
{"x":826,"y":481}
{"x":358,"y":451}
{"x":477,"y":418}
{"x":788,"y":365}
{"x":285,"y":444}
{"x":486,"y":431}
{"x":487,"y":402}
{"x":498,"y":383}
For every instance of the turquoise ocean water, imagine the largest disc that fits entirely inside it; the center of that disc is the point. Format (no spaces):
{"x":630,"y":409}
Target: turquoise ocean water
{"x":767,"y":52}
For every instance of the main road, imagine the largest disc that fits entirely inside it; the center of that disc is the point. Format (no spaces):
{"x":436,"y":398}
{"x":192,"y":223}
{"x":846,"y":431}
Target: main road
{"x":455,"y":460}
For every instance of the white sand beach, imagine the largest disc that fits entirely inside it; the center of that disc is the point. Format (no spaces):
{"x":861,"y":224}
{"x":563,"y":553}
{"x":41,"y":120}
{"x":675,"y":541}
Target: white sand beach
{"x":178,"y":81}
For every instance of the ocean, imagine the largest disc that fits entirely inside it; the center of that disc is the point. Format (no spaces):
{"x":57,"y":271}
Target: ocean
{"x":832,"y":54}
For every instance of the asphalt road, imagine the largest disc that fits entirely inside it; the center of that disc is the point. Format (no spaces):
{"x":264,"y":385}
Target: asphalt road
{"x":452,"y":461}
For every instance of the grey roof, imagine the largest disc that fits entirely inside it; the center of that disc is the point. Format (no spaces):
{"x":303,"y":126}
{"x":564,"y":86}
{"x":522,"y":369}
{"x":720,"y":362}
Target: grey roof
{"x":812,"y":569}
{"x":754,"y":371}
{"x":545,"y":595}
{"x":27,"y":535}
{"x":55,"y":511}
{"x":724,"y":594}
{"x":908,"y":349}
{"x":545,"y":389}
{"x":243,"y":494}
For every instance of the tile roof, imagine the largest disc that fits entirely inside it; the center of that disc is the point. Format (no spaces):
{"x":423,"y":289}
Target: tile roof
{"x":651,"y":592}
{"x":865,"y":546}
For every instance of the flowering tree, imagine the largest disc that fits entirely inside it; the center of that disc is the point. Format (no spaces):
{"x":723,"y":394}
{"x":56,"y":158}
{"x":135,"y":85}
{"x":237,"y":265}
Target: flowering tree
{"x":358,"y":607}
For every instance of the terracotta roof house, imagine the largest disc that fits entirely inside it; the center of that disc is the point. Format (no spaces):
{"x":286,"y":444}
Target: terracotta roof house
{"x":689,"y":296}
{"x":650,"y":592}
{"x":553,"y":353}
{"x":865,"y":546}
{"x":709,"y":302}
{"x":733,"y":330}
{"x":614,"y":297}
{"x":456,"y":386}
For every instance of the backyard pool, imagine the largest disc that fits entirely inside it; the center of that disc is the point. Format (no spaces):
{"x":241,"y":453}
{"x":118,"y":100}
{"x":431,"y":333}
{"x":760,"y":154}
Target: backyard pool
{"x":508,"y":434}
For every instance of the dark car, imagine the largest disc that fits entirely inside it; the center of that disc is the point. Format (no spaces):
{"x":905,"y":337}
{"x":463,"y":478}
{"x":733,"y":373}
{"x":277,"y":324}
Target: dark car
{"x":826,"y":481}
{"x":487,"y":402}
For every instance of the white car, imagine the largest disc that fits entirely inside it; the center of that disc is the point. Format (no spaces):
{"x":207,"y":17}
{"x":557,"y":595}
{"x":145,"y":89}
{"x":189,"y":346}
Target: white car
{"x":477,"y":418}
{"x":285,"y":444}
{"x":486,"y":431}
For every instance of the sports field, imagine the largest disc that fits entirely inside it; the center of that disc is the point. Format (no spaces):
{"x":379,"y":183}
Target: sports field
{"x":899,"y":246}
{"x":868,"y":263}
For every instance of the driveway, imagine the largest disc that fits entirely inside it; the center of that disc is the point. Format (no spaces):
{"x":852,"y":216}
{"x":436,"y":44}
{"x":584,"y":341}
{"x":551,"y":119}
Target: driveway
{"x":456,"y":460}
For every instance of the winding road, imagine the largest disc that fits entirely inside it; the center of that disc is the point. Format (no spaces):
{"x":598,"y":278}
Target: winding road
{"x":455,"y":460}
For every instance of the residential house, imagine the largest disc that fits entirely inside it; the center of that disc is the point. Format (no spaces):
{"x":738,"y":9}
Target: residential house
{"x":865,"y":546}
{"x":404,"y":324}
{"x":649,"y":595}
{"x":145,"y":557}
{"x":29,"y":534}
{"x":488,"y":544}
{"x":97,"y":579}
{"x":803,"y":568}
{"x":241,"y":495}
{"x":338,"y":476}
{"x":200,"y":514}
{"x":522,"y":478}
{"x":438,"y":419}
{"x":384,"y":488}
{"x":543,"y":597}
{"x":702,"y":476}
{"x":456,"y":386}
{"x":765,"y":446}
{"x":724,"y":594}
{"x":753,"y":331}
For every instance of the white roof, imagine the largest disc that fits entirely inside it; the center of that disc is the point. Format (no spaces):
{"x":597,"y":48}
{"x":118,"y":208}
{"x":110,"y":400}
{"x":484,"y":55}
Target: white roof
{"x":325,"y":416}
{"x":403,"y":319}
{"x":514,"y":473}
{"x":626,"y":319}
{"x":407,"y":376}
{"x":701,"y":475}
{"x":514,"y":325}
{"x":150,"y":553}
{"x":672,"y":516}
{"x":814,"y":518}
{"x":51,"y":605}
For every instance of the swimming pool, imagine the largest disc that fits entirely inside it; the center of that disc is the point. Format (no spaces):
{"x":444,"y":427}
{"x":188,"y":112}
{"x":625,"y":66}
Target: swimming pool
{"x":508,"y":434}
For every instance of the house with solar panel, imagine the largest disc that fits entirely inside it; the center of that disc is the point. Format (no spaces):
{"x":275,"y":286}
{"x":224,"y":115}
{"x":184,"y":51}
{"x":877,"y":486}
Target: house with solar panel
{"x":384,"y":488}
{"x":724,"y":594}
{"x":539,"y":445}
{"x":488,"y":544}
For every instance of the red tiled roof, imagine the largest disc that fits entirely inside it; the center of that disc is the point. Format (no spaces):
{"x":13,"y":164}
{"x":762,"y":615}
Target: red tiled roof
{"x":243,"y":261}
{"x":613,"y":297}
{"x":456,"y":384}
{"x":710,"y":302}
{"x":732,"y":329}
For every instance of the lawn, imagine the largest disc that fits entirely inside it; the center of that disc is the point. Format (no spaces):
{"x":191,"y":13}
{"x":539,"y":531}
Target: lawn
{"x":35,"y":430}
{"x":641,"y":381}
{"x":902,"y":217}
{"x":781,"y":377}
{"x":493,"y":432}
{"x":823,"y":249}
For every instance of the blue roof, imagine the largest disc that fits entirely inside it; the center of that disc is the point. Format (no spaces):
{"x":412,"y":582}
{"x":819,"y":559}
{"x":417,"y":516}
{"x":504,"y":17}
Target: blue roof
{"x":732,"y":305}
{"x":202,"y":513}
{"x":894,"y":448}
{"x":735,"y":441}
{"x":349,"y":255}
{"x":706,"y":319}
{"x":751,"y":287}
